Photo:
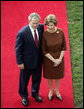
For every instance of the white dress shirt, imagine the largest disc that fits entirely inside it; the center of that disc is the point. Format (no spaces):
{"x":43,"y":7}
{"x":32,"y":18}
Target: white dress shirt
{"x":32,"y":30}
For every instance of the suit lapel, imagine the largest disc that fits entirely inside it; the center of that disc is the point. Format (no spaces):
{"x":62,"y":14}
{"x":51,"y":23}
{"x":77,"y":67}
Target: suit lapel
{"x":31,"y":36}
{"x":39,"y":33}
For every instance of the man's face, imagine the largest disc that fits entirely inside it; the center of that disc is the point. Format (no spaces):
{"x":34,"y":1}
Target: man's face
{"x":34,"y":23}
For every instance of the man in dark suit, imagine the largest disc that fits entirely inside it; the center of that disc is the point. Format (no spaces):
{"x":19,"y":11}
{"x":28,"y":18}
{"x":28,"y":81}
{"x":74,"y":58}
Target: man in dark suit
{"x":29,"y":57}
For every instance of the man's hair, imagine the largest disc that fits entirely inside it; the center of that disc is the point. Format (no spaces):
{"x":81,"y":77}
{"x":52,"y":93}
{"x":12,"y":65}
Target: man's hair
{"x":33,"y":15}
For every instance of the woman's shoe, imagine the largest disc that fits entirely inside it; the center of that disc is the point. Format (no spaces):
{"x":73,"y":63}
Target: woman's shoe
{"x":50,"y":96}
{"x":58,"y":95}
{"x":59,"y":98}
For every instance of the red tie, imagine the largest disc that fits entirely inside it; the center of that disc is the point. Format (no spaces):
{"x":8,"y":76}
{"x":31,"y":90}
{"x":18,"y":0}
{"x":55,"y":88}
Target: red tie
{"x":36,"y":40}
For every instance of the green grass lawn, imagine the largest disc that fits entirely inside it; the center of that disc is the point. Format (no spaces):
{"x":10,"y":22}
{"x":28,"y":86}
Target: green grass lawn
{"x":75,"y":28}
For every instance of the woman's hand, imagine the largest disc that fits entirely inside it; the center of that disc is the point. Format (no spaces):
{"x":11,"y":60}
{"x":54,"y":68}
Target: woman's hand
{"x":57,"y":62}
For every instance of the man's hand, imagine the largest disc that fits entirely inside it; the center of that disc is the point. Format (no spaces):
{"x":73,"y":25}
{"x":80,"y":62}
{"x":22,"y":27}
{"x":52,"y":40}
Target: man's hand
{"x":21,"y":66}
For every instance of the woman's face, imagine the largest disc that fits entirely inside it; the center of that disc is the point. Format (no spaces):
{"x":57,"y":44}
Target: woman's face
{"x":51,"y":26}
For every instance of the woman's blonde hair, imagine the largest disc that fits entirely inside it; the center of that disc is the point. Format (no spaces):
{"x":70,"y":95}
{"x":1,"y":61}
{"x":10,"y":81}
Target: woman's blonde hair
{"x":50,"y":18}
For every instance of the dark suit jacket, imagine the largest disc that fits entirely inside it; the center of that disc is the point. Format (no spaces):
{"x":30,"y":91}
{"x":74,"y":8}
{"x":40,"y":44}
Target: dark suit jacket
{"x":25,"y":47}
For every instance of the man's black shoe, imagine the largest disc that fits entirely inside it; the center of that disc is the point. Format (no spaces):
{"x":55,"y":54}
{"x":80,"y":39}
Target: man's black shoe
{"x":37,"y":98}
{"x":25,"y":101}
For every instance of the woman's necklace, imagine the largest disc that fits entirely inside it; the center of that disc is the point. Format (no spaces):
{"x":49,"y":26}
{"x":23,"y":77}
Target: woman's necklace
{"x":54,"y":30}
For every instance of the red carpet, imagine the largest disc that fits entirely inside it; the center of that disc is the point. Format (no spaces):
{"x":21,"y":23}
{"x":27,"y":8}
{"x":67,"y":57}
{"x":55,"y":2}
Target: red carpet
{"x":14,"y":15}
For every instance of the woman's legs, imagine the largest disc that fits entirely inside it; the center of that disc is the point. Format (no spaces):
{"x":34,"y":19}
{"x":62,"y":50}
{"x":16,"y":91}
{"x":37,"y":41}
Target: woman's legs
{"x":50,"y":84}
{"x":57,"y":83}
